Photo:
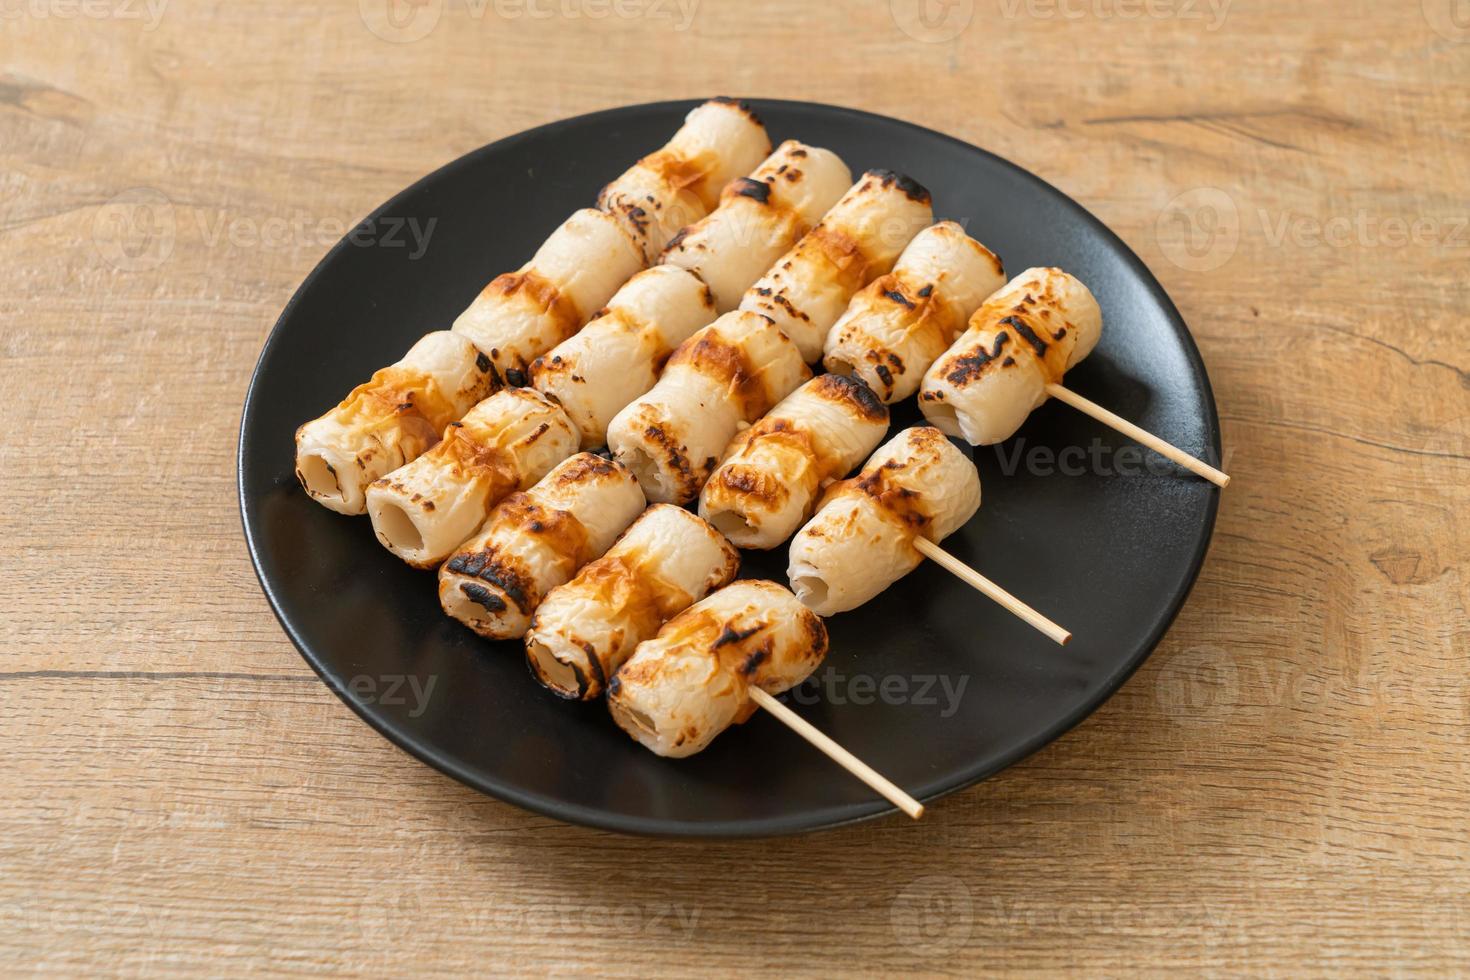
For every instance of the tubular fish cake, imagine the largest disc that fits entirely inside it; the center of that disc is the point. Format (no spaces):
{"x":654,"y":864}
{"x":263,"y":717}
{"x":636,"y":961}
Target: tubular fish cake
{"x":728,"y":374}
{"x":390,"y":420}
{"x":617,"y":356}
{"x":860,"y":541}
{"x":692,"y":681}
{"x":1024,"y":337}
{"x":523,"y":314}
{"x":775,"y":470}
{"x":536,"y":540}
{"x":895,"y":328}
{"x":680,"y":183}
{"x":506,"y":443}
{"x":806,"y":290}
{"x":760,"y":217}
{"x":584,"y":630}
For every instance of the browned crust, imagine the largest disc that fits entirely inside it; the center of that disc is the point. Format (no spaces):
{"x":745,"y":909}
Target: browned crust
{"x":541,"y":291}
{"x":519,"y":514}
{"x":671,"y":453}
{"x":1031,"y":327}
{"x":738,"y":480}
{"x":466,"y":458}
{"x":907,"y":508}
{"x":851,"y":266}
{"x":712,"y":356}
{"x":859,"y":399}
{"x":621,"y":584}
{"x":911,"y":188}
{"x":397,"y":393}
{"x":744,"y":647}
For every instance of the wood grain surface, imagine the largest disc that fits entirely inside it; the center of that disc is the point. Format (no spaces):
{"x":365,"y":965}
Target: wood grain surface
{"x":1282,"y":790}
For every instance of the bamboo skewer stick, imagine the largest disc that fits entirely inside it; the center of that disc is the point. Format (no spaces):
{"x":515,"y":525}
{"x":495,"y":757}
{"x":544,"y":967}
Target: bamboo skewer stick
{"x":1150,"y":440}
{"x":988,"y":588}
{"x":838,"y":754}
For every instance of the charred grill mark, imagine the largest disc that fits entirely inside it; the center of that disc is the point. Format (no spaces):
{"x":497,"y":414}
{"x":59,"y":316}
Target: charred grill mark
{"x":515,"y":377}
{"x":511,"y":582}
{"x":677,"y":240}
{"x":742,"y":106}
{"x":971,"y":366}
{"x":586,"y":466}
{"x":911,"y":188}
{"x":732,"y":635}
{"x":907,"y":506}
{"x":1024,"y":331}
{"x":927,"y":290}
{"x":637,"y":217}
{"x":398,"y":392}
{"x":857,"y":394}
{"x":898,"y":297}
{"x":754,"y":660}
{"x":672,"y":451}
{"x":791,"y":310}
{"x":887,"y":375}
{"x":816,"y":633}
{"x":482,"y":596}
{"x":757,"y":190}
{"x":481,"y":361}
{"x":468,"y":564}
{"x":594,"y":666}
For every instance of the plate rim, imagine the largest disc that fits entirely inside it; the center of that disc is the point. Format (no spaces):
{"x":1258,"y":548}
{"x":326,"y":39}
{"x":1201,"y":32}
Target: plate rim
{"x":838,"y":815}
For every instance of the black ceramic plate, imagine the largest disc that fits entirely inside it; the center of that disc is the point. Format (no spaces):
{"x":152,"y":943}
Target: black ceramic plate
{"x":933,"y":685}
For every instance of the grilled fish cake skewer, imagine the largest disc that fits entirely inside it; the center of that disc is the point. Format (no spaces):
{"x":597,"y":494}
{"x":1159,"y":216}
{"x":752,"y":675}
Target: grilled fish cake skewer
{"x":523,"y":314}
{"x":584,"y":630}
{"x":391,"y":419}
{"x":534,"y":541}
{"x":861,"y":539}
{"x":759,"y":218}
{"x":617,"y":356}
{"x":858,"y":240}
{"x":680,"y":183}
{"x":422,"y":511}
{"x":899,"y":323}
{"x":728,"y":374}
{"x":1026,"y":335}
{"x":774,"y":472}
{"x":691,"y":681}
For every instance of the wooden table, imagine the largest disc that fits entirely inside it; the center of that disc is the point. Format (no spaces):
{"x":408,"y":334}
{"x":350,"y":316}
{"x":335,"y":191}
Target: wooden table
{"x":1282,"y":789}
